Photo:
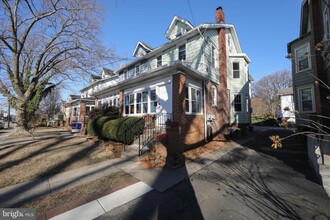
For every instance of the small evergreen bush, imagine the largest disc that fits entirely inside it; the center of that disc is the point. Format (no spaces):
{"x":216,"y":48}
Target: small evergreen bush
{"x":97,"y":117}
{"x":123,"y":129}
{"x":94,"y":126}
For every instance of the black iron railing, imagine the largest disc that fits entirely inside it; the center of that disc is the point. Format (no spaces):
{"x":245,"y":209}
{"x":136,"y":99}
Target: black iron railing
{"x":154,"y":124}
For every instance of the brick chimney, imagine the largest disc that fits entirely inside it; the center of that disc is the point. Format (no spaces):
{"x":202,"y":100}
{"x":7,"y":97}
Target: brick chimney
{"x":224,"y":110}
{"x":219,"y":16}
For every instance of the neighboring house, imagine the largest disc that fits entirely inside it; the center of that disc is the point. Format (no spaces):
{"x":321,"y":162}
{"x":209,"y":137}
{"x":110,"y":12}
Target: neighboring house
{"x":287,"y":104}
{"x":77,"y":108}
{"x":199,"y":79}
{"x":311,"y":64}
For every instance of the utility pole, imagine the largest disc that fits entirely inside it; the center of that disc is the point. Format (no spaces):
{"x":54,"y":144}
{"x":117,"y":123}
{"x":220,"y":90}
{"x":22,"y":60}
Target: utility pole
{"x":8,"y":115}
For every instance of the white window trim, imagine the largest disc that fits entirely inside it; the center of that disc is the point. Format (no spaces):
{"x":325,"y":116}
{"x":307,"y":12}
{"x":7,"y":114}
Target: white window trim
{"x":239,"y":70}
{"x":190,"y":101}
{"x":178,"y":48}
{"x":135,"y":102}
{"x":213,"y":57}
{"x":137,"y":67}
{"x":300,"y":101}
{"x":233,"y":103}
{"x":149,"y":100}
{"x":214,"y":96}
{"x":161,"y":60}
{"x":308,"y":57}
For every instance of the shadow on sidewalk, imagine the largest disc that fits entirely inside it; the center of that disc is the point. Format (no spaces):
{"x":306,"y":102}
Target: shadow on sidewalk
{"x":164,"y":202}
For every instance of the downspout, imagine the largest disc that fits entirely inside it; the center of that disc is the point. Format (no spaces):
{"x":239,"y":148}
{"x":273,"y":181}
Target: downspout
{"x":205,"y":116}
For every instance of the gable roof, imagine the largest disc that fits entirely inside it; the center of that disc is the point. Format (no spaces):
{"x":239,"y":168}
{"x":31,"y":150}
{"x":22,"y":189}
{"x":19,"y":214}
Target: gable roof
{"x":173,"y":24}
{"x":105,"y":72}
{"x":141,"y":45}
{"x":195,"y":30}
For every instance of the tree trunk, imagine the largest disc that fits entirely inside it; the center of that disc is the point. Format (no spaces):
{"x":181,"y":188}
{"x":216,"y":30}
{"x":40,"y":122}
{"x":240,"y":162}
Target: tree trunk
{"x":21,"y":121}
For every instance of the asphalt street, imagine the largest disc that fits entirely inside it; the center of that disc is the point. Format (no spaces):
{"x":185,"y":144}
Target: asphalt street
{"x":250,"y":182}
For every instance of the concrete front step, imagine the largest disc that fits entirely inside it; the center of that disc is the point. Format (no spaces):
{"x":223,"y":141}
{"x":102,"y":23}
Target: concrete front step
{"x":325,"y":175}
{"x":326,"y":159}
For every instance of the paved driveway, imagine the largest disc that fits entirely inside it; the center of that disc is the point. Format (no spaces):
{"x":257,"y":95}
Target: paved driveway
{"x":250,"y":182}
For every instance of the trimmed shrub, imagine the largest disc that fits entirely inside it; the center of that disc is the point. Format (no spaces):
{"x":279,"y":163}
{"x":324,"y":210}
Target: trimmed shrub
{"x":94,"y":126}
{"x":107,"y":111}
{"x":123,"y":129}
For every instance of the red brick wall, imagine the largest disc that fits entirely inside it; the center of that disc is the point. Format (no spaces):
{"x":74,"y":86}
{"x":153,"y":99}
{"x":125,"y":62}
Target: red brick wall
{"x":221,"y":119}
{"x":82,"y":115}
{"x":121,"y":102}
{"x":187,"y":131}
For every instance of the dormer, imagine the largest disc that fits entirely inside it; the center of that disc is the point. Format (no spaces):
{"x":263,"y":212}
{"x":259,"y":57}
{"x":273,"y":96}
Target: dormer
{"x":72,"y":97}
{"x":105,"y":72}
{"x":178,"y":27}
{"x":94,"y":78}
{"x":141,"y":49}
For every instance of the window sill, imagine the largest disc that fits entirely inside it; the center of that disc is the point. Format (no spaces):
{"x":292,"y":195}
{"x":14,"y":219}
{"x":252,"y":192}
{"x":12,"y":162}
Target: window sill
{"x":188,"y":113}
{"x":301,"y":71}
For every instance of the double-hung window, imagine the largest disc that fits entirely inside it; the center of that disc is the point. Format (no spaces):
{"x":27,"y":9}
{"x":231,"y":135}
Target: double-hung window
{"x":302,"y":58}
{"x":236,"y":73}
{"x":126,"y":104}
{"x":238,"y":102}
{"x":213,"y":56}
{"x":137,"y":69}
{"x":306,"y":99}
{"x":159,"y":61}
{"x":153,"y":101}
{"x":182,"y":52}
{"x":131,"y":104}
{"x":142,"y":102}
{"x":193,"y":100}
{"x":214,"y":95}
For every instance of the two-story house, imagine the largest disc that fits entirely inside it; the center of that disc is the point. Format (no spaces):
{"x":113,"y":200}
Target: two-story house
{"x":311,"y":65}
{"x":199,"y":79}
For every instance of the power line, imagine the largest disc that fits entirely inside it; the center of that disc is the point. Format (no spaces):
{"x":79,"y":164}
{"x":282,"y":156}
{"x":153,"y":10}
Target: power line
{"x":192,"y":15}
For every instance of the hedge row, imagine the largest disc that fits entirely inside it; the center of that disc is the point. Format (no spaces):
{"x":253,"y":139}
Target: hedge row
{"x":94,"y":126}
{"x":122,"y":129}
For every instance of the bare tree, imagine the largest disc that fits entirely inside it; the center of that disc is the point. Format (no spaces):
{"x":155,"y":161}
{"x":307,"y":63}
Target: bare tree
{"x":51,"y":104}
{"x":44,"y":43}
{"x":267,"y":87}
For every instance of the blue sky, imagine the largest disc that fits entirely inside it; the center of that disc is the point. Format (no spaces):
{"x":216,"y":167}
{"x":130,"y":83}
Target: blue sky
{"x":264,"y":27}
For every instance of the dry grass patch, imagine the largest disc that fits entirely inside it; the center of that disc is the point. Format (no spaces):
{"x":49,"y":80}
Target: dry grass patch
{"x":29,"y":160}
{"x":80,"y":192}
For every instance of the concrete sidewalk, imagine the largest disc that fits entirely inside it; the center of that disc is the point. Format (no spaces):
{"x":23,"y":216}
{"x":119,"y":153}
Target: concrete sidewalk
{"x":150,"y":179}
{"x":158,"y":179}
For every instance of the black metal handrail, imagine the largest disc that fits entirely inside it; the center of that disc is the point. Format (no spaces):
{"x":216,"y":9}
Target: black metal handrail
{"x":153,"y":124}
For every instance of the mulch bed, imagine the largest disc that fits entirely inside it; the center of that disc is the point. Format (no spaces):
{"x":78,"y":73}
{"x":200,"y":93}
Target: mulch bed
{"x":156,"y":157}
